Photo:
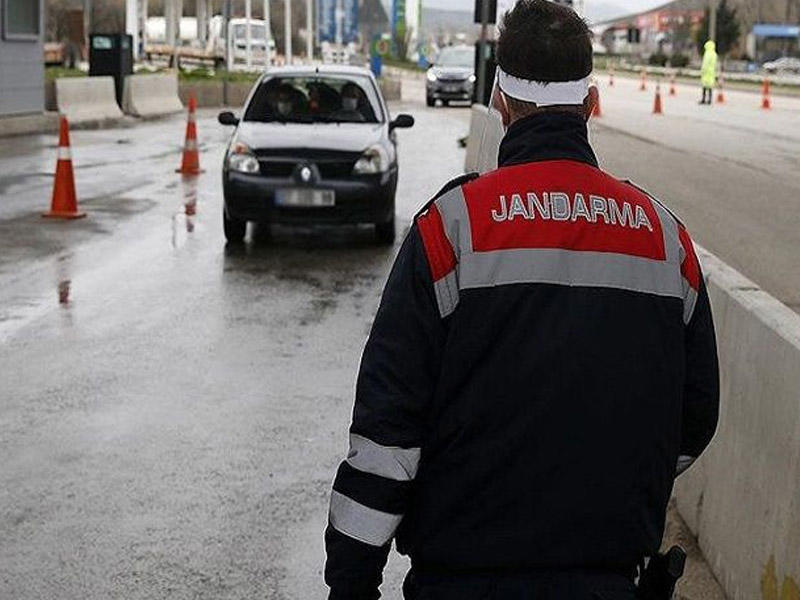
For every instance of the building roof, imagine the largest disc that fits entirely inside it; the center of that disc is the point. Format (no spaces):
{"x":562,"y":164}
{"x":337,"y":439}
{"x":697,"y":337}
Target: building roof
{"x":776,"y":30}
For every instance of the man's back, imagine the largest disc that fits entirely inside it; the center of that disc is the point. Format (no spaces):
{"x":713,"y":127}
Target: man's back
{"x":555,"y":426}
{"x":541,"y":366}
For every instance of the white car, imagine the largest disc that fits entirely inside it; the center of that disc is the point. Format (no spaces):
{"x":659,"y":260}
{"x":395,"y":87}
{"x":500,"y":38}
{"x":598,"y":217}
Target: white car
{"x":786,"y":64}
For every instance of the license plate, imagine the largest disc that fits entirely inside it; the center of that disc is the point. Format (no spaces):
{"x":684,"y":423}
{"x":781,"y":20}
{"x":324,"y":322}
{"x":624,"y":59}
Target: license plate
{"x":304,"y":197}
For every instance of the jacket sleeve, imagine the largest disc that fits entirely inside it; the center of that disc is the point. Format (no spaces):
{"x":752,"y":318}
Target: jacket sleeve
{"x":399,"y":370}
{"x":701,"y":382}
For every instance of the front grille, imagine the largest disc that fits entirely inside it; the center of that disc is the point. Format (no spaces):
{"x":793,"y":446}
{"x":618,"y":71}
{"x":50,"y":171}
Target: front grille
{"x":328,"y":169}
{"x":451,"y":81}
{"x":276,"y":169}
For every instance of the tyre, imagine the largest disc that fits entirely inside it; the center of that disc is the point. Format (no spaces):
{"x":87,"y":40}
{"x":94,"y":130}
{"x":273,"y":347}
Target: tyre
{"x":430,"y":101}
{"x":445,"y":102}
{"x":234,"y":228}
{"x":384,"y":232}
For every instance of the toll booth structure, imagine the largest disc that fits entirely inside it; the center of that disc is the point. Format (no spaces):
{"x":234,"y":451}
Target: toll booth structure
{"x":768,"y":41}
{"x":21,"y":51}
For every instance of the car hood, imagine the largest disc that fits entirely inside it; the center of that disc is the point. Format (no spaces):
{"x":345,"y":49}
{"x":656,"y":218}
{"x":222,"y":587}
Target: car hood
{"x":452,"y":72}
{"x":348,"y":137}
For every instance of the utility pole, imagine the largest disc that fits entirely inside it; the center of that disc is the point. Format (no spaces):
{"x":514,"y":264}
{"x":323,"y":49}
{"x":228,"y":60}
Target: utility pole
{"x":287,"y":30}
{"x":248,"y":33}
{"x":268,"y":28}
{"x":712,"y":21}
{"x":87,"y":23}
{"x":226,"y":15}
{"x":482,"y":47}
{"x":309,"y":31}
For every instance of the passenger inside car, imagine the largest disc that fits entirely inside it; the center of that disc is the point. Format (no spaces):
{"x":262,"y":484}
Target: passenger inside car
{"x":304,"y":100}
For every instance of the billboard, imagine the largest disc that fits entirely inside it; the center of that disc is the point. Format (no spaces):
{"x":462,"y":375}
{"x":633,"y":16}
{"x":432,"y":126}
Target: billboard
{"x":327,"y":17}
{"x":350,"y":21}
{"x":398,"y":18}
{"x":326,"y":20}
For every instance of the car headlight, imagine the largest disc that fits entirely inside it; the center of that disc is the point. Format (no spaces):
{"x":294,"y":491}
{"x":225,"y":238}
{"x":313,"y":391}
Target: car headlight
{"x":471,"y":78}
{"x":431,"y":75}
{"x":242,"y":159}
{"x":374,"y":160}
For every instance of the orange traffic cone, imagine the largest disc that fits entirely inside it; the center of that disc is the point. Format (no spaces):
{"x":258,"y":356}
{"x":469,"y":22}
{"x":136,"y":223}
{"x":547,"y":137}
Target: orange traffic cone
{"x":765,"y":103}
{"x":672,"y":91}
{"x":64,"y":204}
{"x":721,"y":91}
{"x":657,"y":102}
{"x":190,"y":165}
{"x":643,"y":84}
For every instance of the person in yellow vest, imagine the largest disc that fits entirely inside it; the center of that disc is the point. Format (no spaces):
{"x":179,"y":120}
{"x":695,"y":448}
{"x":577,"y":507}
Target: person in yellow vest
{"x":708,"y":72}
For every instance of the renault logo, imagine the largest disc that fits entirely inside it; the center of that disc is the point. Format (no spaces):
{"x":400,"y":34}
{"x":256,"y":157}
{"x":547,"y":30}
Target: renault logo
{"x":305,"y":174}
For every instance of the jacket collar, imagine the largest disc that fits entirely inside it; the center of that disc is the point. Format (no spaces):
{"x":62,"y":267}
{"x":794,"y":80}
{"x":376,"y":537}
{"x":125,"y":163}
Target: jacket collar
{"x":546,"y":136}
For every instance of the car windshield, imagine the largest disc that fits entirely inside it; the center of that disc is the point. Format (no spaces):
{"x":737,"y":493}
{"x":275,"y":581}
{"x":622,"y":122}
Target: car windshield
{"x":315,"y":99}
{"x":256,"y":31}
{"x":456,"y":57}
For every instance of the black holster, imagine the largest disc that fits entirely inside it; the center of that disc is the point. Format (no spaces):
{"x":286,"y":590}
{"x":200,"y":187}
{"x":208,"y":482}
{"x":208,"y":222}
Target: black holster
{"x":662,"y":572}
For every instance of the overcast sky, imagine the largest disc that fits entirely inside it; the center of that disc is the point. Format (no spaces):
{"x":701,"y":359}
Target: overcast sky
{"x":598,"y":9}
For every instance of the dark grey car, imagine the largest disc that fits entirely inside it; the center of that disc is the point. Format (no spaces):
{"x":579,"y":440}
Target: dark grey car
{"x":452,"y":76}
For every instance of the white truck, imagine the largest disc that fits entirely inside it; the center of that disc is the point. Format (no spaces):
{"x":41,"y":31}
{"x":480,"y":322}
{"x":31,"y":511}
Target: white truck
{"x":262,"y":44}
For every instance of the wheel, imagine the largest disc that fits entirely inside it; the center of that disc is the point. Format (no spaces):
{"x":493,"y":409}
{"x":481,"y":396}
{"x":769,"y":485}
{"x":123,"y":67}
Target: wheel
{"x":384,"y":232}
{"x":430,"y":101}
{"x":445,"y":102}
{"x":234,"y":228}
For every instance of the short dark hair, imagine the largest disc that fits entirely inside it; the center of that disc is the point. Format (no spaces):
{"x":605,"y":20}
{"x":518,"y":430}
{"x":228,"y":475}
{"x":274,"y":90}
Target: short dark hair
{"x":544,"y":41}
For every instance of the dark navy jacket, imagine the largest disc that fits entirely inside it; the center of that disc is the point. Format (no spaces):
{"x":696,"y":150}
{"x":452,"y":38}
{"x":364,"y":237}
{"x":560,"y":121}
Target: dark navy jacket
{"x":542,"y":364}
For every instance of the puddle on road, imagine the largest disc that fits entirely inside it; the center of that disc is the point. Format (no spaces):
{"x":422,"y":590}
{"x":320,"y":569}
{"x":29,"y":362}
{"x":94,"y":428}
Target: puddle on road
{"x":300,"y":276}
{"x":183,"y":221}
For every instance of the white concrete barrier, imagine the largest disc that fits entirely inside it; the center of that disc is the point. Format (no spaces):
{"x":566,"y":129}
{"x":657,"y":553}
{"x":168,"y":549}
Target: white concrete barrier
{"x":151,"y":95}
{"x":87,"y":99}
{"x":483,"y":142}
{"x":742,"y":498}
{"x":391,"y":88}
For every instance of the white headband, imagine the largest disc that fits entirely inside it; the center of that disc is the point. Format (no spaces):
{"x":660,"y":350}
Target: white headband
{"x":543,"y":94}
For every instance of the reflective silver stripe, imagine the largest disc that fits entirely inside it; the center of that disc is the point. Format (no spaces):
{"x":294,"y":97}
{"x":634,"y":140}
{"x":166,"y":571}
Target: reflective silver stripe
{"x":669,"y":227}
{"x":391,"y":462}
{"x":64,"y":153}
{"x":191,"y":144}
{"x":689,"y":300}
{"x":446,"y":290}
{"x":684,"y":462}
{"x":373,"y":527}
{"x":569,"y":267}
{"x":453,"y":208}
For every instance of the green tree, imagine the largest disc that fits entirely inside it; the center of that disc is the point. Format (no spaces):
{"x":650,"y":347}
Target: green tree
{"x":728,"y":28}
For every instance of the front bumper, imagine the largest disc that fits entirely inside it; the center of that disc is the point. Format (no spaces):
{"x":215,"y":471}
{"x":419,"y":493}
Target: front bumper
{"x":359,"y":199}
{"x":449,"y":90}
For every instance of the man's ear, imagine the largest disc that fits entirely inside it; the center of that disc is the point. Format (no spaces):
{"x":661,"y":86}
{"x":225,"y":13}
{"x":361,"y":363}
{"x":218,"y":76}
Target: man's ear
{"x":591,"y":101}
{"x":500,"y":105}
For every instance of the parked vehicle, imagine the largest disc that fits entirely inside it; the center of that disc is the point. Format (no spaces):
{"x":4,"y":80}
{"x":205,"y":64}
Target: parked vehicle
{"x":314,"y":145}
{"x":261,"y":40}
{"x":451,"y":76}
{"x":785,"y":64}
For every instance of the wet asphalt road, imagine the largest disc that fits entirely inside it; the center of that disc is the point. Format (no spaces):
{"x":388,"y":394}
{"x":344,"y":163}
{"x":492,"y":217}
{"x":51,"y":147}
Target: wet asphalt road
{"x":171,"y":411}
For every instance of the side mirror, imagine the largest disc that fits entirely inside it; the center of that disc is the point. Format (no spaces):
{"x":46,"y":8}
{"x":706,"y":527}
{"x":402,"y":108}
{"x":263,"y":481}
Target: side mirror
{"x":227,"y":118}
{"x":401,"y":122}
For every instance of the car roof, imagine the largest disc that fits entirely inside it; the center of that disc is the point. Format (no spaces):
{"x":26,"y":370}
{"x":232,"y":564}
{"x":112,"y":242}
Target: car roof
{"x":330,"y":69}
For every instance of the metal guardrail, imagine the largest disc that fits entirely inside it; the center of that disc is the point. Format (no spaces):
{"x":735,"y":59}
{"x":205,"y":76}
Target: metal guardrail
{"x":785,"y":80}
